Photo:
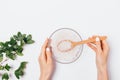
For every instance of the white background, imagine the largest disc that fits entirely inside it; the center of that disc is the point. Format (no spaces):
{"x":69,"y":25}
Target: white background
{"x":42,"y":17}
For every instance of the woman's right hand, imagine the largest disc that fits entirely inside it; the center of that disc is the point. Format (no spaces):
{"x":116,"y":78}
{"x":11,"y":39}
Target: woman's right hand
{"x":101,"y":49}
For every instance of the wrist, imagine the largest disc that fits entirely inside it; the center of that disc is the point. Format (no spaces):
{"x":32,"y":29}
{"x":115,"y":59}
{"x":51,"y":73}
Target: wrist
{"x":44,"y":77}
{"x":102,"y":68}
{"x":102,"y":73}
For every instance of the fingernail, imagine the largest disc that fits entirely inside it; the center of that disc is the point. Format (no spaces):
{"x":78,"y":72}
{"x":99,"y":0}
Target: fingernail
{"x":47,"y":49}
{"x":97,"y":39}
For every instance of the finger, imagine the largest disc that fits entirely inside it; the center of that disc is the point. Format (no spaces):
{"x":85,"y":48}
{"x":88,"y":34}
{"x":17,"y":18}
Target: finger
{"x":98,"y":45}
{"x":92,"y":46}
{"x":49,"y":55}
{"x":49,"y":42}
{"x":93,"y":37}
{"x":43,"y":52}
{"x":105,"y":46}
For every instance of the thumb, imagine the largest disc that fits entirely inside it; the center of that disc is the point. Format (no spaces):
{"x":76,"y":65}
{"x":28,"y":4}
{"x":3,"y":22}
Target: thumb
{"x":48,"y":54}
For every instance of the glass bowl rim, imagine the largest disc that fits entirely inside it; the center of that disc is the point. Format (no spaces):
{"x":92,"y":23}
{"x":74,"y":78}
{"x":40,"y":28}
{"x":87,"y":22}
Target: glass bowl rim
{"x":80,"y":52}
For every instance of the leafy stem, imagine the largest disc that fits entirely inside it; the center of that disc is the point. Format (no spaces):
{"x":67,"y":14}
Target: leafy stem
{"x":10,"y":50}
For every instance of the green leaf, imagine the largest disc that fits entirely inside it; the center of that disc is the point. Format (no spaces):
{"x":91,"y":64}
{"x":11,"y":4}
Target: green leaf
{"x":24,"y":35}
{"x":12,"y":41}
{"x":19,"y":36}
{"x":18,"y":74}
{"x":22,"y":43}
{"x":20,"y":71}
{"x":30,"y":41}
{"x":19,"y":54}
{"x":1,"y":44}
{"x":29,"y":37}
{"x":2,"y":47}
{"x":1,"y":67}
{"x":15,"y":37}
{"x":5,"y":76}
{"x":11,"y":56}
{"x":19,"y":49}
{"x":7,"y":67}
{"x":1,"y":57}
{"x":23,"y":65}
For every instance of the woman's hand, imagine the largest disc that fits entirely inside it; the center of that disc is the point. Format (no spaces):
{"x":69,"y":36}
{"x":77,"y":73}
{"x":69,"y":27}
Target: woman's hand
{"x":101,"y":49}
{"x":46,"y":62}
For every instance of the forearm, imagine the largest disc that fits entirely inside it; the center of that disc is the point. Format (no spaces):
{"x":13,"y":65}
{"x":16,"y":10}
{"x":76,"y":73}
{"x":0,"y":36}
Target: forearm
{"x":44,"y":77}
{"x":102,"y":73}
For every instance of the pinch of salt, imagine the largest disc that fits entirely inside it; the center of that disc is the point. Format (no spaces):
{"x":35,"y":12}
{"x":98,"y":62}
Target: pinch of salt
{"x":97,"y":39}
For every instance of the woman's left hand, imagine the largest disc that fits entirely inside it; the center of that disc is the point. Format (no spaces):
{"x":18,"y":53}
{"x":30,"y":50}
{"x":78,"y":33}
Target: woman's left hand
{"x":46,"y":62}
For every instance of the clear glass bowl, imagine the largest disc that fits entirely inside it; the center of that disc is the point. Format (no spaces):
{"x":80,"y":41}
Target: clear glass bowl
{"x":65,"y":34}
